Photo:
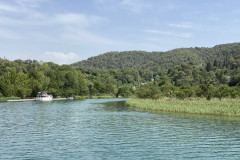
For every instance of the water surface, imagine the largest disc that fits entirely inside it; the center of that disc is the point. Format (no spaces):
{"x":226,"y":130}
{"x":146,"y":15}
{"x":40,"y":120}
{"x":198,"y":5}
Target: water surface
{"x":93,"y":129}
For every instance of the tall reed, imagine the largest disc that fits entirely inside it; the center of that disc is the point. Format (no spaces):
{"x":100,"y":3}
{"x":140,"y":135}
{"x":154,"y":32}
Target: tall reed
{"x":225,"y":107}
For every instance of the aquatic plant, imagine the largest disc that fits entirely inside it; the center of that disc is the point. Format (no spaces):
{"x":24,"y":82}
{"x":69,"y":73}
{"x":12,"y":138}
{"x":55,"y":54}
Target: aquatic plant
{"x":225,"y":107}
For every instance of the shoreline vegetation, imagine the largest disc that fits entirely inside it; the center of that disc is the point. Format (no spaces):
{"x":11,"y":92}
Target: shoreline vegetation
{"x":217,"y":75}
{"x":4,"y":99}
{"x":224,"y":107}
{"x":19,"y":99}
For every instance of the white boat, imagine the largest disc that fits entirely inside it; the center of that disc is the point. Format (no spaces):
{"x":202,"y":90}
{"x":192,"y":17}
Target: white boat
{"x":43,"y":96}
{"x":70,"y":98}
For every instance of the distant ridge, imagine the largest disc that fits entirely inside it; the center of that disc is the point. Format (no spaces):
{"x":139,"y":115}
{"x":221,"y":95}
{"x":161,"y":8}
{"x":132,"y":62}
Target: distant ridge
{"x":156,"y":61}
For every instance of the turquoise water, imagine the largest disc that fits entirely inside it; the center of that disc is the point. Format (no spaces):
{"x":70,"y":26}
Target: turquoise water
{"x":92,"y":129}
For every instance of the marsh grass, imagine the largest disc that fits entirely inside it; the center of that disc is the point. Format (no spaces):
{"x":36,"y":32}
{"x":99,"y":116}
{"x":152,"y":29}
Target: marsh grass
{"x":225,"y":107}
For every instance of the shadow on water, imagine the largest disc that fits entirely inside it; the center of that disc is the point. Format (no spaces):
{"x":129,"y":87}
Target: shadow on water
{"x":194,"y":116}
{"x":114,"y":106}
{"x":121,"y":106}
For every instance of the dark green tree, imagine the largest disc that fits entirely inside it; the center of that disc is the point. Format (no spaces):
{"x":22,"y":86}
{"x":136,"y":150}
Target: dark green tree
{"x":207,"y":90}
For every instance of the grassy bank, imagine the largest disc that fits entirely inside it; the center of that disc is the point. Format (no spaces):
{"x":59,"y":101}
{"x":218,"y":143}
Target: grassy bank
{"x":4,"y":99}
{"x":226,"y":107}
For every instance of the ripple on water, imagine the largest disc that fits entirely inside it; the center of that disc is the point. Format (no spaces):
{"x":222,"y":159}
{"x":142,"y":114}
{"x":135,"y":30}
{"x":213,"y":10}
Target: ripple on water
{"x":93,"y":129}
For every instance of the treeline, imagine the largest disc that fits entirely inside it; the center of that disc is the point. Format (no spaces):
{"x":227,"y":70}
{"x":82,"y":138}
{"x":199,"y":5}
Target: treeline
{"x":146,"y":75}
{"x":227,"y":55}
{"x":26,"y":78}
{"x":188,"y":80}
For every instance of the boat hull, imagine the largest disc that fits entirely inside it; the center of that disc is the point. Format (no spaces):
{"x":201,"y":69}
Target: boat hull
{"x":44,"y":98}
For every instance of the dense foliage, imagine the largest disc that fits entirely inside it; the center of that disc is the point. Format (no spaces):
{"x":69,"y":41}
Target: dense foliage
{"x":26,"y":78}
{"x":188,"y":80}
{"x":181,"y":73}
{"x":226,"y":55}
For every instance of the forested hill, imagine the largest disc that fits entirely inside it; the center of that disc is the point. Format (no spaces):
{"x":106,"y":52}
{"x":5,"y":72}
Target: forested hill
{"x":154,"y":61}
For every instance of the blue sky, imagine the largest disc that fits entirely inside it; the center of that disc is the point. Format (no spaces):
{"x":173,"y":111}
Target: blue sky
{"x":66,"y":31}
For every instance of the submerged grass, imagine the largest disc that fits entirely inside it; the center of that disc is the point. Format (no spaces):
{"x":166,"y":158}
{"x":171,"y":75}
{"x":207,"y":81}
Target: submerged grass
{"x":225,"y":107}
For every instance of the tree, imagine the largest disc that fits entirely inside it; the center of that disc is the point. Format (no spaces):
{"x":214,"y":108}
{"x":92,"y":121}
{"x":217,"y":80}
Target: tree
{"x":222,"y":91}
{"x":124,"y":91}
{"x":149,"y":92}
{"x":215,"y":64}
{"x":207,"y":90}
{"x":209,"y":67}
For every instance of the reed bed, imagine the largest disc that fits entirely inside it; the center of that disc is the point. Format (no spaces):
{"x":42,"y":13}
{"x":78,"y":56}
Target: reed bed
{"x":225,"y":107}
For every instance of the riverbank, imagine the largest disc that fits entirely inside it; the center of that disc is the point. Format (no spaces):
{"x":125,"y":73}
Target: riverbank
{"x":18,"y":99}
{"x":33,"y":99}
{"x":94,"y":97}
{"x":226,"y":107}
{"x":5,"y":99}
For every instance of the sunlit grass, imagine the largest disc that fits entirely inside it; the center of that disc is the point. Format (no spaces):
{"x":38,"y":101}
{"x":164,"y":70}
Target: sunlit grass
{"x":225,"y":107}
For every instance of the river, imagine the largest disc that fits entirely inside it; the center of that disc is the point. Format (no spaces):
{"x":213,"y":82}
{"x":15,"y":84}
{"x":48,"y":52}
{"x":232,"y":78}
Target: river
{"x":107,"y":129}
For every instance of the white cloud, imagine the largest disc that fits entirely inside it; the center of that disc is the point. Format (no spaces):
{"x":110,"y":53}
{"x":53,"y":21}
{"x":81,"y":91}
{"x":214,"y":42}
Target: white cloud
{"x":74,"y":26}
{"x":34,"y":18}
{"x":104,"y":1}
{"x":71,"y":18}
{"x":7,"y":8}
{"x":61,"y":57}
{"x":78,"y":19}
{"x":158,"y":32}
{"x":135,"y":6}
{"x":30,"y":3}
{"x":186,"y":25}
{"x":54,"y":28}
{"x":181,"y":35}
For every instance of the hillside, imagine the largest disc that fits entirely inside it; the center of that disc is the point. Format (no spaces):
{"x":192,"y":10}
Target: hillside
{"x":219,"y":78}
{"x":162,"y":60}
